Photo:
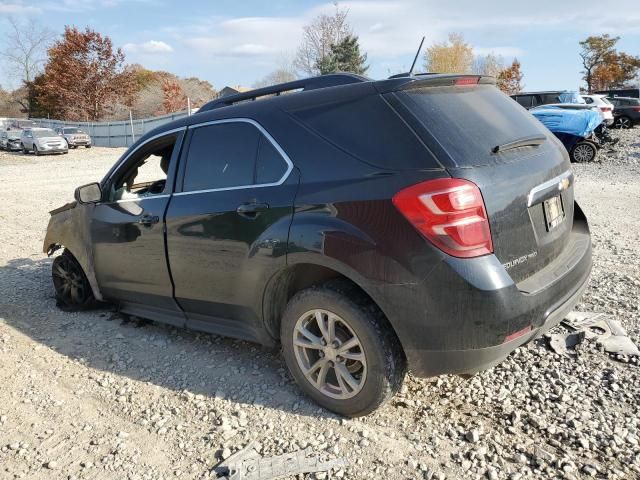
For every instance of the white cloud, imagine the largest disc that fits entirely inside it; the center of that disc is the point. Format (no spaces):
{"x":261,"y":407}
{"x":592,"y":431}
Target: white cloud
{"x":18,"y":9}
{"x":150,"y":47}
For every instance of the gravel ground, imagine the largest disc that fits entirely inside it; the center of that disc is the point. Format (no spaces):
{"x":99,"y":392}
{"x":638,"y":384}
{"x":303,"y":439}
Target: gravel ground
{"x":90,"y":395}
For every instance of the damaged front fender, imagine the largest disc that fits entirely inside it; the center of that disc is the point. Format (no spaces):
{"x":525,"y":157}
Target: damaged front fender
{"x":70,"y":227}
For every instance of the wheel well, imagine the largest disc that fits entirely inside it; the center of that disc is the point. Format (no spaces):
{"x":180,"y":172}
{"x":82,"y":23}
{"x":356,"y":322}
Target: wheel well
{"x":287,"y":283}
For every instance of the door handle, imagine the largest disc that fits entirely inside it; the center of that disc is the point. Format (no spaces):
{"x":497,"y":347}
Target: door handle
{"x":251,"y":210}
{"x":148,"y":220}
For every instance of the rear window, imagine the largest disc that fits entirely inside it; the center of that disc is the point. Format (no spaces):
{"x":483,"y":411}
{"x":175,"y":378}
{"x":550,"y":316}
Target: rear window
{"x":468,"y":122}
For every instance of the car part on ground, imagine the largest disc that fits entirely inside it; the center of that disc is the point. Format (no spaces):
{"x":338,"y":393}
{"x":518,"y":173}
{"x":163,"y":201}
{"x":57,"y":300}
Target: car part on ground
{"x":437,"y":246}
{"x":604,"y":330}
{"x":247,"y":464}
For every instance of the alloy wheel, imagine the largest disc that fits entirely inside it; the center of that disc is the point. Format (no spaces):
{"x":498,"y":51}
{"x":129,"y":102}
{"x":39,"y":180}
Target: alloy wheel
{"x":583,"y":153}
{"x":329,"y":354}
{"x":624,"y":122}
{"x":68,"y":281}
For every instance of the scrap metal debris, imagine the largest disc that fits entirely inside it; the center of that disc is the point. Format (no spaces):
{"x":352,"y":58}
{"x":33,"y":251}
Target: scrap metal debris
{"x":247,"y":464}
{"x":597,"y":327}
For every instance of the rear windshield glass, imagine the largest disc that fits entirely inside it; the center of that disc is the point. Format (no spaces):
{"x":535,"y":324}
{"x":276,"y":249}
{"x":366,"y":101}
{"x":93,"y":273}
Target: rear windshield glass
{"x":44,"y":133}
{"x":468,"y":122}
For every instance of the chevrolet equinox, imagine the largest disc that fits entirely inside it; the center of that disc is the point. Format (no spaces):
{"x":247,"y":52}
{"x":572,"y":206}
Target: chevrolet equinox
{"x":422,"y":222}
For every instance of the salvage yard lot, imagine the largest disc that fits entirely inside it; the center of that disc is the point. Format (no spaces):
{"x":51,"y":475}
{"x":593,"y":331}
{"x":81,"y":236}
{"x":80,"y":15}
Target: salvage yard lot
{"x":92,"y":395}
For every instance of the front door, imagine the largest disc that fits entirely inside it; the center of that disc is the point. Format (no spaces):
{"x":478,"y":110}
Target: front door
{"x":227,"y":226}
{"x":128,"y":231}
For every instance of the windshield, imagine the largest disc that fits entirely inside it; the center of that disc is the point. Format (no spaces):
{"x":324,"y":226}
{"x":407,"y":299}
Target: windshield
{"x":47,"y":132}
{"x":468,"y":122}
{"x":72,"y":130}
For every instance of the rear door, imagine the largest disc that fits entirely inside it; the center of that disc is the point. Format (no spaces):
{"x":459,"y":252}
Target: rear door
{"x":227,"y":227}
{"x":528,"y":191}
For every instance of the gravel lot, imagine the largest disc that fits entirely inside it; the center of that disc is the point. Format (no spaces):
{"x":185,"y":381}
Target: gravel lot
{"x":90,"y":395}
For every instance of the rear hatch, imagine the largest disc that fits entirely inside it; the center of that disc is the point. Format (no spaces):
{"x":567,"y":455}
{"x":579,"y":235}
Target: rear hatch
{"x":523,"y":172}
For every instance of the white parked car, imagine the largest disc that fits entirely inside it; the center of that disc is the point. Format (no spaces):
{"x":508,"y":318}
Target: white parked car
{"x":603,"y":104}
{"x":43,"y":140}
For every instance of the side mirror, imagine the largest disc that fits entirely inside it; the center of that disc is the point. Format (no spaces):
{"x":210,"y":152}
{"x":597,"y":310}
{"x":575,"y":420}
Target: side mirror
{"x":90,"y":193}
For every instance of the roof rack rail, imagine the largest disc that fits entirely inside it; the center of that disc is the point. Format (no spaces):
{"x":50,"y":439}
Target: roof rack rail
{"x":313,"y":83}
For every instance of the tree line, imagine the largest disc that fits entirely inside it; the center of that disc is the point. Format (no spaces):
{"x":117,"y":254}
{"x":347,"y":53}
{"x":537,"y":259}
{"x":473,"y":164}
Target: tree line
{"x":81,"y":76}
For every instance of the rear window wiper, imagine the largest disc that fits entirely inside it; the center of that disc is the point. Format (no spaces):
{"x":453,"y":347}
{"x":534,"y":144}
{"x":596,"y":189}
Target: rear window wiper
{"x":532,"y":141}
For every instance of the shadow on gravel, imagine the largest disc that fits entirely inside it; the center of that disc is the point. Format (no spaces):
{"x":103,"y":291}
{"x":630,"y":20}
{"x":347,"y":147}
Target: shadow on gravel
{"x":175,"y":359}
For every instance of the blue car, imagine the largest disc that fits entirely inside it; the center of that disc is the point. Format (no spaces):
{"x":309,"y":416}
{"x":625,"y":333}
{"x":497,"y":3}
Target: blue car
{"x":582,"y":131}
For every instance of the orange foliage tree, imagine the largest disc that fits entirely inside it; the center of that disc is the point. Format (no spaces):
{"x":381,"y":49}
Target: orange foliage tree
{"x":84,"y":77}
{"x":509,"y":80}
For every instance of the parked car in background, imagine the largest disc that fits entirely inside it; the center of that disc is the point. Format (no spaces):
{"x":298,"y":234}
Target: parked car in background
{"x":534,"y":99}
{"x":621,"y":92}
{"x":577,"y":129}
{"x":627,"y":111}
{"x":10,"y":140}
{"x":431,"y":236}
{"x":603,"y":104}
{"x":42,"y":140}
{"x":75,"y":137}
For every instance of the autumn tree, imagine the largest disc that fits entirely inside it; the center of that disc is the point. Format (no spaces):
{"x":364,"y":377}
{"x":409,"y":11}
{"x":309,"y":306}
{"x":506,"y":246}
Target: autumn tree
{"x":84,"y":76}
{"x":595,"y":52}
{"x":173,"y":97}
{"x":619,"y":72}
{"x":509,"y":80}
{"x":318,"y":37}
{"x":345,"y":56}
{"x":24,"y":54}
{"x":453,"y":56}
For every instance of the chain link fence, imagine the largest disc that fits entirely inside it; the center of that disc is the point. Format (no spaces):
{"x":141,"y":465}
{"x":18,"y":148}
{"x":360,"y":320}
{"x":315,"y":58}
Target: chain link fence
{"x":109,"y":134}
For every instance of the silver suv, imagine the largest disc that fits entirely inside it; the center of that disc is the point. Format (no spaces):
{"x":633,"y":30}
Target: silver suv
{"x":42,"y":140}
{"x":75,"y":137}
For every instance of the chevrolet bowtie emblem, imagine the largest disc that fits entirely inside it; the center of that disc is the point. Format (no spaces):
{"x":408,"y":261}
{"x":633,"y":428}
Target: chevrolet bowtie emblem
{"x":564,"y":184}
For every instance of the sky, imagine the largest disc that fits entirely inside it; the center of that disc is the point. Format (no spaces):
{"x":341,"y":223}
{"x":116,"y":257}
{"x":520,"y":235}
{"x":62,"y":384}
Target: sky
{"x":237,"y":42}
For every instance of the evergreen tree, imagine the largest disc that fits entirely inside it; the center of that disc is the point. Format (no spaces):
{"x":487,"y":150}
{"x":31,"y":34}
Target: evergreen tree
{"x":345,"y":56}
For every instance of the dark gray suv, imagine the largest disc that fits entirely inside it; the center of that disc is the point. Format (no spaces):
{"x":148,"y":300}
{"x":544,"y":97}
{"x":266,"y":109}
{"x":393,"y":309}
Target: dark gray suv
{"x":367,"y":227}
{"x":627,"y":111}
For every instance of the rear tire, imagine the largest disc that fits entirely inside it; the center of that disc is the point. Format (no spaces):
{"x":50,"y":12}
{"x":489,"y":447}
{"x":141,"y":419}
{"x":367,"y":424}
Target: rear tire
{"x":349,"y":380}
{"x":73,"y":291}
{"x":583,"y":152}
{"x":35,"y":151}
{"x":87,"y":146}
{"x":25,"y":151}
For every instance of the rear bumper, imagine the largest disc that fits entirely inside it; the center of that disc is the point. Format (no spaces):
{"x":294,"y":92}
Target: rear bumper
{"x":428,"y":363}
{"x":462,"y":318}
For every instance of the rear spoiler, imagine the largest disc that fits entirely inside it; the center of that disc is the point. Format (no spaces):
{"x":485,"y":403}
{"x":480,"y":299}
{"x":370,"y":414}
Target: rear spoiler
{"x":432,"y":80}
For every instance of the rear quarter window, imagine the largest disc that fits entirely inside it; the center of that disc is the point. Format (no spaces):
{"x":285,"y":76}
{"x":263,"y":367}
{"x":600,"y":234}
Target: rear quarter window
{"x":370,"y":130}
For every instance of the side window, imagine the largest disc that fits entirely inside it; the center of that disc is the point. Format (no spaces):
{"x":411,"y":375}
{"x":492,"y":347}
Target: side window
{"x":221,"y":156}
{"x":589,"y":100}
{"x":524,"y":100}
{"x":145,"y":172}
{"x":270,"y":166}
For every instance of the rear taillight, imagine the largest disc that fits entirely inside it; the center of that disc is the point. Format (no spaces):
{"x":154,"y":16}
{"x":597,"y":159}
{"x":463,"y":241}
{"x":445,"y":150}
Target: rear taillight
{"x":636,"y":109}
{"x":450,"y":213}
{"x":605,"y":109}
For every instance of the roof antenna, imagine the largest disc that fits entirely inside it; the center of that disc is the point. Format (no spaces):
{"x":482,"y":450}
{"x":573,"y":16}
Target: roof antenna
{"x":415,"y":59}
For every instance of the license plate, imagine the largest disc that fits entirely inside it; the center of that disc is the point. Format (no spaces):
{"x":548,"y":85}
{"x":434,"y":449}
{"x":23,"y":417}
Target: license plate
{"x":553,"y":212}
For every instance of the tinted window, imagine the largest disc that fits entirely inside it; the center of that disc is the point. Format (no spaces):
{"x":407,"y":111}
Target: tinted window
{"x":588,"y":100}
{"x":524,"y":100}
{"x":221,"y":156}
{"x":469,"y":122}
{"x":270,"y":166}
